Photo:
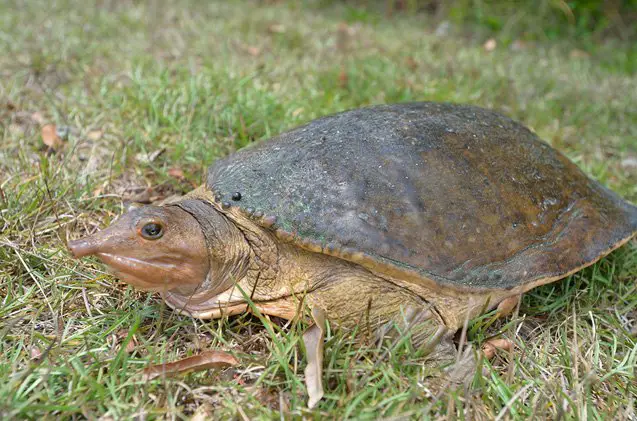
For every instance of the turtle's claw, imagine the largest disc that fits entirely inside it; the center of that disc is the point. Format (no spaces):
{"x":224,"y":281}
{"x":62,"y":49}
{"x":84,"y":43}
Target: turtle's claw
{"x":490,"y":347}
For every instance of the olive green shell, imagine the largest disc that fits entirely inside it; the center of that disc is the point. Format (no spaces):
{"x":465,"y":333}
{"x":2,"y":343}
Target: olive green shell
{"x":456,"y":194}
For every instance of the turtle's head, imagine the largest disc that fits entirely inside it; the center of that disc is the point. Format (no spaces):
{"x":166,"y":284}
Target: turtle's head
{"x":152,"y":248}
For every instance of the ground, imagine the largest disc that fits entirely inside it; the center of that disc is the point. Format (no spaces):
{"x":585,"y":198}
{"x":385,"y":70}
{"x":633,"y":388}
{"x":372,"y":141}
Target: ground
{"x":143,"y":97}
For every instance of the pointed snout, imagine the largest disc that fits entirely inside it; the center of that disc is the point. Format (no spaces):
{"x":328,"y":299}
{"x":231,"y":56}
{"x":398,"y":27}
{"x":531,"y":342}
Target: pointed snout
{"x":101,"y":241}
{"x":83,"y":247}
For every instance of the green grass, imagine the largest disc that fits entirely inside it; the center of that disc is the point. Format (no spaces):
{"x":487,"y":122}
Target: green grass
{"x":199,"y":80}
{"x":585,"y":20}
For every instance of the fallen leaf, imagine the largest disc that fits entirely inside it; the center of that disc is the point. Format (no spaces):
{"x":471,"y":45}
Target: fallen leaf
{"x":443,"y":29}
{"x":37,"y":117}
{"x":203,"y":412}
{"x":176,"y":172}
{"x":579,"y":54}
{"x":148,"y":157}
{"x":276,"y":28}
{"x":313,"y":340}
{"x":297,"y":112}
{"x":519,"y":45}
{"x":203,"y":361}
{"x":343,"y":35}
{"x":94,"y":135}
{"x":411,"y":63}
{"x":50,"y":137}
{"x":491,"y":347}
{"x":36,"y":353}
{"x":490,"y":45}
{"x":253,"y":51}
{"x":342,"y":78}
{"x":100,"y":189}
{"x":131,"y":346}
{"x":629,"y":163}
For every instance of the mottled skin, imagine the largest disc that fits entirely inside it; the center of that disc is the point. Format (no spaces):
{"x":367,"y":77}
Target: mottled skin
{"x":377,"y":216}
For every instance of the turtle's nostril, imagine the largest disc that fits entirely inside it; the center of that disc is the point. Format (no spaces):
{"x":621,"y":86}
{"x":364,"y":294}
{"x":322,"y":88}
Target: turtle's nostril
{"x":82,"y":247}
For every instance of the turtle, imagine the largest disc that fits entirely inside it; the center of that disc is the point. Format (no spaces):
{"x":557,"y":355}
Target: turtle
{"x":413,"y":217}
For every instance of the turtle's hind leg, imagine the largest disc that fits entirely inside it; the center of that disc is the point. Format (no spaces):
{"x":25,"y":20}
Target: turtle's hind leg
{"x":376,"y":310}
{"x":380,"y":311}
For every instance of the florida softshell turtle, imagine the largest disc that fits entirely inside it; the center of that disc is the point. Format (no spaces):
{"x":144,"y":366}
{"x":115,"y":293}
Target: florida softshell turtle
{"x":373,"y":218}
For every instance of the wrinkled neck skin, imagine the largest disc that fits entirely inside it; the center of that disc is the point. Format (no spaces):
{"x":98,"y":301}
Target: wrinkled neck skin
{"x":247,"y":260}
{"x":243,"y":257}
{"x":229,"y":255}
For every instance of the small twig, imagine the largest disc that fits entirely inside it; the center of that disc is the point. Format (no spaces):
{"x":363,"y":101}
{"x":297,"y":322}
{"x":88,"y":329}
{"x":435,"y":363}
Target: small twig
{"x":110,"y":169}
{"x":578,"y":384}
{"x":86,"y":302}
{"x":463,"y":337}
{"x":516,"y":320}
{"x":244,"y":417}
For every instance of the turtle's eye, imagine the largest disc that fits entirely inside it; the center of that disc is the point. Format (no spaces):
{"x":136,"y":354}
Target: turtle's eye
{"x":152,"y":231}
